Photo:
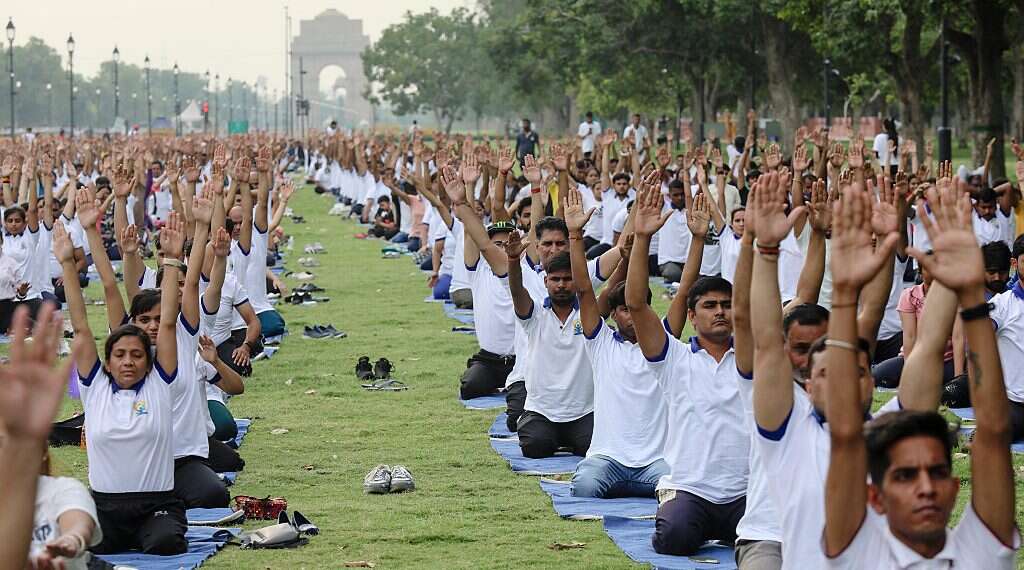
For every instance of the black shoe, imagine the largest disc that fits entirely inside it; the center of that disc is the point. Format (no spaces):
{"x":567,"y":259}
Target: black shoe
{"x":382,"y":369}
{"x":308,"y":288}
{"x":303,"y":525}
{"x":333,"y":332}
{"x":283,"y":518}
{"x":363,"y":369}
{"x":314,"y":332}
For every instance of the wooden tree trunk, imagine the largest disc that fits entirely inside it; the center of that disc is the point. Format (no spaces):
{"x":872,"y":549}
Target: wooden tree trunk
{"x":780,"y":81}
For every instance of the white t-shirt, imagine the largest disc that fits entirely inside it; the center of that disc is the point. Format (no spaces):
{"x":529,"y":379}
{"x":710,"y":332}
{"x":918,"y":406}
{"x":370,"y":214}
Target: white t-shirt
{"x":969,"y":545}
{"x":611,"y":205}
{"x":761,"y":519}
{"x":189,"y":407}
{"x":639,"y":132}
{"x":492,"y":309}
{"x":54,"y":497}
{"x":589,"y":132}
{"x":881,"y":148}
{"x":256,"y":272}
{"x":1008,"y":315}
{"x":595,"y":226}
{"x":22,"y":248}
{"x":673,"y":238}
{"x":729,"y":249}
{"x":44,"y":274}
{"x":559,"y":380}
{"x":130,"y":433}
{"x":630,"y":419}
{"x":219,"y":324}
{"x":891,"y":324}
{"x":996,"y":229}
{"x":708,"y":445}
{"x":791,"y":262}
{"x":460,"y":275}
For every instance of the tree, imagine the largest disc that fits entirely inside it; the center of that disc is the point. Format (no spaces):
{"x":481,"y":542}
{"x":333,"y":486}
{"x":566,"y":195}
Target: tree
{"x":420,"y":65}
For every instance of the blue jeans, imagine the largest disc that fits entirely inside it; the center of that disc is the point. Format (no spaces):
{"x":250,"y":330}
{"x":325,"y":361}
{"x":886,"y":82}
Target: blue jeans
{"x":604,"y":478}
{"x":400,"y":237}
{"x":444,"y":281}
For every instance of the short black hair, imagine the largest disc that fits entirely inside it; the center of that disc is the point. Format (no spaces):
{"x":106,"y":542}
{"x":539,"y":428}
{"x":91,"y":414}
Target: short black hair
{"x":523,"y":204}
{"x":805,"y":314}
{"x":143,"y":302}
{"x":126,"y":331}
{"x":558,"y":262}
{"x":102,"y":182}
{"x":14,"y":210}
{"x":1018,"y":246}
{"x":620,"y":176}
{"x":550,"y":224}
{"x":617,"y":296}
{"x":383,"y":199}
{"x":882,"y":433}
{"x":996,"y":255}
{"x":676,"y":184}
{"x":986,"y":196}
{"x":706,"y":285}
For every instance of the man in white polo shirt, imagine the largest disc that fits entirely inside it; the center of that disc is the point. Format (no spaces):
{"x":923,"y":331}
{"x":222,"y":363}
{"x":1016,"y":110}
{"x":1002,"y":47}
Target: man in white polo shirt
{"x":587,"y":133}
{"x":908,"y":454}
{"x":630,"y":420}
{"x":707,"y":447}
{"x":674,"y":237}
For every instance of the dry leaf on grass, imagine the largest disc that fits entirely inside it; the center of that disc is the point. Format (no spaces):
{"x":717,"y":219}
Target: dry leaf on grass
{"x":567,"y":545}
{"x":288,"y":382}
{"x":279,"y":431}
{"x":360,"y":564}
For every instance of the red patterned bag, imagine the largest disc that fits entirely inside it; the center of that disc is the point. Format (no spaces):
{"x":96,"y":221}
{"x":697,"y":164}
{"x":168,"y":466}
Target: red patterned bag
{"x":264,"y":509}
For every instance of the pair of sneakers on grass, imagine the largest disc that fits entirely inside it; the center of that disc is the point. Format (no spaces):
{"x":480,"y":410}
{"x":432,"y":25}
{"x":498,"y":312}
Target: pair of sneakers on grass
{"x":383,"y":479}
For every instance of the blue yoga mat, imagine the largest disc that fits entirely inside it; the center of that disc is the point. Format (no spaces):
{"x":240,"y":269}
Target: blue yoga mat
{"x":499,"y":428}
{"x":634,"y":538}
{"x":464,"y":316}
{"x":207,"y":517}
{"x":485,"y":402}
{"x":243,"y":428}
{"x":203,"y":542}
{"x":509,"y":450}
{"x":585,"y":508}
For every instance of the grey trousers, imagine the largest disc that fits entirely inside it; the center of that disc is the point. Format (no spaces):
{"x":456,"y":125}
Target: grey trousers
{"x":758,"y":555}
{"x":462,"y":298}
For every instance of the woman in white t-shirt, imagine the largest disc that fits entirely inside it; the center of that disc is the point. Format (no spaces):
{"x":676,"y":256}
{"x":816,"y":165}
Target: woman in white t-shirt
{"x":64,"y":525}
{"x":128,"y":399}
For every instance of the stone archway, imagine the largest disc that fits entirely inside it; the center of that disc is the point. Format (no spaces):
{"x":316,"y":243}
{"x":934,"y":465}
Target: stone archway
{"x":331,"y":39}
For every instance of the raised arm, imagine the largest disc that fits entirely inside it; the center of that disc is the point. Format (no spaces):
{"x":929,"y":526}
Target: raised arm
{"x":172,"y":240}
{"x":522,"y":303}
{"x":773,"y":372}
{"x":743,"y":334}
{"x":650,"y":332}
{"x":284,"y":194}
{"x":957,"y":263}
{"x":698,"y":221}
{"x":808,"y":286}
{"x":924,"y":344}
{"x":875,"y":294}
{"x":854,"y":262}
{"x":229,"y":380}
{"x":64,"y":251}
{"x":478,"y":243}
{"x":202,"y":211}
{"x":263,"y":182}
{"x":88,"y":216}
{"x":576,"y":218}
{"x":241,"y":173}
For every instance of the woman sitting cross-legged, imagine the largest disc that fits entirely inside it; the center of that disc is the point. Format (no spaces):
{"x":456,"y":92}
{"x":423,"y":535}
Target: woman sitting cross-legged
{"x":127,"y":398}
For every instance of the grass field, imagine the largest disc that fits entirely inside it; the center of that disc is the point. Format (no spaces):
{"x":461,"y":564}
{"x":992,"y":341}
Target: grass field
{"x":469,"y":509}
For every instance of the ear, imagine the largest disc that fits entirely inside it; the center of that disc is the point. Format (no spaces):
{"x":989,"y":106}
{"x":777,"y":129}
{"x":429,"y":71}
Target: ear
{"x":875,"y":496}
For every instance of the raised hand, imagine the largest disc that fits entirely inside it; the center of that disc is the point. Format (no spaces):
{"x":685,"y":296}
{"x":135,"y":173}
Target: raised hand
{"x":505,"y":159}
{"x":128,"y":241}
{"x":207,"y":350}
{"x":221,"y":242}
{"x":263,"y":158}
{"x":649,"y":206}
{"x":956,"y":259}
{"x":531,"y":170}
{"x":856,"y":154}
{"x":470,"y":169}
{"x":7,"y":167}
{"x":800,"y":161}
{"x":515,"y":247}
{"x":820,"y":207}
{"x":698,"y":216}
{"x":716,"y":158}
{"x":772,"y":223}
{"x":30,"y":387}
{"x":575,"y":216}
{"x":884,"y":212}
{"x":220,"y":159}
{"x":855,"y":260}
{"x":85,"y":204}
{"x":287,"y":191}
{"x":560,"y":157}
{"x":241,"y":170}
{"x":202,"y":205}
{"x":172,"y":236}
{"x":837,"y":155}
{"x":63,"y":249}
{"x":453,"y":185}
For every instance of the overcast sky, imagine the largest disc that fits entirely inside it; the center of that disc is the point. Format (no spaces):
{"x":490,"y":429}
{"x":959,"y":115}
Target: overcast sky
{"x":197,"y":34}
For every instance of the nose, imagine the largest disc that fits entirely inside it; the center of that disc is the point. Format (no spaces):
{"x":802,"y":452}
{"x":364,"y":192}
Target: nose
{"x":926,"y":487}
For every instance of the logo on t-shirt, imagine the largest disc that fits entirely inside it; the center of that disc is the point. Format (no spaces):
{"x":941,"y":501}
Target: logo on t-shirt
{"x":140,"y":409}
{"x":577,"y":328}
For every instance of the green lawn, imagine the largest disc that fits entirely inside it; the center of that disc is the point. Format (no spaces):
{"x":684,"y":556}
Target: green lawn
{"x":469,"y":510}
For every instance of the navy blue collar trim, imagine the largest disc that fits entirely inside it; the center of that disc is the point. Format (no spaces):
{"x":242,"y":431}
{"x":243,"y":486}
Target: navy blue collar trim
{"x":1018,"y":291}
{"x":136,"y":386}
{"x":695,"y":346}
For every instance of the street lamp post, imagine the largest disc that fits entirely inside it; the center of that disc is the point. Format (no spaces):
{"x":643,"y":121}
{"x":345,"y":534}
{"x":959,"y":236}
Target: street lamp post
{"x":177,"y":110}
{"x":216,"y":104}
{"x":276,"y":102}
{"x":231,"y":106}
{"x":99,"y":100}
{"x":135,"y":108}
{"x":71,"y":79}
{"x":49,"y":104}
{"x":149,"y":102}
{"x":945,"y":133}
{"x":206,"y":104}
{"x":245,"y":101}
{"x":117,"y":92}
{"x":10,"y":66}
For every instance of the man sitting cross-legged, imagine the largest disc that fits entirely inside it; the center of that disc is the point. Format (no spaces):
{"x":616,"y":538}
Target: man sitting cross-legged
{"x":707,"y":447}
{"x":625,"y":455}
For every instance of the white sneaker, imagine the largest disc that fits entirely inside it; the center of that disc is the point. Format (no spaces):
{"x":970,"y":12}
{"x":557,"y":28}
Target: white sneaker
{"x":378,"y":480}
{"x":401,"y":479}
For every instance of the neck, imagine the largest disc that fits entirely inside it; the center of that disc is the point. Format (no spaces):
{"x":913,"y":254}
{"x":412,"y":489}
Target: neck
{"x":715,"y":347}
{"x":928,"y":548}
{"x":562,"y":311}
